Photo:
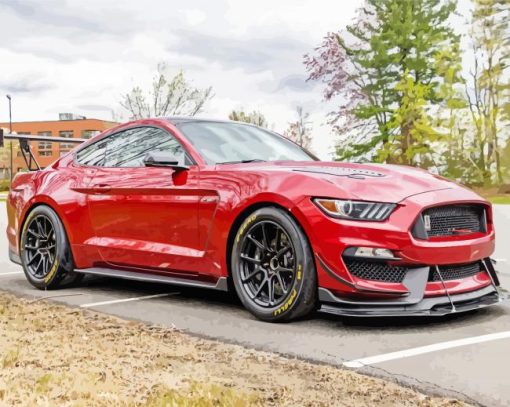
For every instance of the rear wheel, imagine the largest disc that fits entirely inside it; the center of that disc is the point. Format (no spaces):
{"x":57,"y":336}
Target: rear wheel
{"x":272,"y":267}
{"x":45,"y":252}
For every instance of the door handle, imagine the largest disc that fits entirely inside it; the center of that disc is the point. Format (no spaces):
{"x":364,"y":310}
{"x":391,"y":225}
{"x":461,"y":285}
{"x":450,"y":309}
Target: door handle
{"x":101,"y":188}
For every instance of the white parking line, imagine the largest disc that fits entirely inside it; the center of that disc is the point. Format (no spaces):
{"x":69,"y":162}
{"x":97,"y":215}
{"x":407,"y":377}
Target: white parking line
{"x":96,"y":304}
{"x":11,"y":273}
{"x":426,"y":349}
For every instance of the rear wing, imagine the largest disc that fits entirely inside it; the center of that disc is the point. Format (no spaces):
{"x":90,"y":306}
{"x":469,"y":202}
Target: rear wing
{"x":26,"y":151}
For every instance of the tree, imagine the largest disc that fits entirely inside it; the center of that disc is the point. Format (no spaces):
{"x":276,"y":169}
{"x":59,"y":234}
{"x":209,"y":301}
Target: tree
{"x":414,"y":133}
{"x":300,"y":130}
{"x":254,"y":117}
{"x":488,"y":87}
{"x":505,"y":162}
{"x":169,"y":96}
{"x":451,"y":116}
{"x":390,"y":42}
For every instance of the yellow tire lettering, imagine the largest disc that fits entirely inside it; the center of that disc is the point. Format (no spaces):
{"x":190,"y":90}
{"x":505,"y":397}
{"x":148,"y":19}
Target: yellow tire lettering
{"x":287,"y":304}
{"x":52,"y":272}
{"x":29,"y":218}
{"x":245,"y":225}
{"x":299,"y":272}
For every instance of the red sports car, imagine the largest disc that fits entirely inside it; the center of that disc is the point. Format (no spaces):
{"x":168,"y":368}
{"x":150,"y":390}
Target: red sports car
{"x":227,"y":205}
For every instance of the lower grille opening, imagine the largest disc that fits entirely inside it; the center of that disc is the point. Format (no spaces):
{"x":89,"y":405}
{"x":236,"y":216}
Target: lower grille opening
{"x":456,"y":271}
{"x":382,"y":271}
{"x":376,"y":271}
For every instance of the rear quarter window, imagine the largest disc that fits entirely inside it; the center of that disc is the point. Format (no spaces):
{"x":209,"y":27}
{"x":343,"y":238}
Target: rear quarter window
{"x":93,"y":155}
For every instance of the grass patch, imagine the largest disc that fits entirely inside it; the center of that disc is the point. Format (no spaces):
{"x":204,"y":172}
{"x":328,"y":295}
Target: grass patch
{"x":500,"y":199}
{"x":59,"y":356}
{"x":201,"y":395}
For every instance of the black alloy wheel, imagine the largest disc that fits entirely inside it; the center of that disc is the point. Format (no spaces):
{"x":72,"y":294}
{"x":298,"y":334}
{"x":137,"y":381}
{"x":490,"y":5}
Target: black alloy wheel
{"x":40,"y":246}
{"x":272,"y":266}
{"x":267,"y":264}
{"x":45,"y":251}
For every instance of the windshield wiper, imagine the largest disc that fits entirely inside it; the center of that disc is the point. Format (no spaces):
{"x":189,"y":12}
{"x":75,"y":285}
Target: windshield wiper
{"x":253,"y":160}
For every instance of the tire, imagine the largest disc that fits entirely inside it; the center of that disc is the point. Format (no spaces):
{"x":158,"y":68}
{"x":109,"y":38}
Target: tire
{"x":271,"y":249}
{"x":45,"y":251}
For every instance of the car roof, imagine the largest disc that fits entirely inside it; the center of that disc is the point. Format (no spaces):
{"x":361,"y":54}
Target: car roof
{"x":176,"y":120}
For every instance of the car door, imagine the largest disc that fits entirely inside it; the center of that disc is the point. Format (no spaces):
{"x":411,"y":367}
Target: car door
{"x":145,"y":217}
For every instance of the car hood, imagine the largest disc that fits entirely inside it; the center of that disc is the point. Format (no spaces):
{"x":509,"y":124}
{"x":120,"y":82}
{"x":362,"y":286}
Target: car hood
{"x":377,"y":182}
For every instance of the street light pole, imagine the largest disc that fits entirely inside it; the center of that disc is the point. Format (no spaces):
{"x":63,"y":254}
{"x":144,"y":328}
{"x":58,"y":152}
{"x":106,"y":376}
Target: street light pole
{"x":10,"y":130}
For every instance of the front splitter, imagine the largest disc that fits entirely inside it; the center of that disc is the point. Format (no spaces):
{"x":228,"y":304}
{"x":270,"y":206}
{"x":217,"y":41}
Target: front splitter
{"x":434,"y":306}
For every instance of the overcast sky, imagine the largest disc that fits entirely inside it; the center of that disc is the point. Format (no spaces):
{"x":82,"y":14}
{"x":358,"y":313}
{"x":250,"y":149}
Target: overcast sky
{"x":80,"y":56}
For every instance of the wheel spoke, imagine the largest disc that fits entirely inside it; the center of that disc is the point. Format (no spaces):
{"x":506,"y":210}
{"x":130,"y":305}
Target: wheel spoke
{"x":39,"y":264}
{"x":33,"y":233}
{"x":45,"y":265}
{"x":288,"y":270}
{"x":256,"y":242}
{"x":252,"y":274}
{"x":270,"y":291}
{"x":262,"y":284}
{"x":282,"y":285}
{"x":50,"y":258}
{"x":265,"y":242}
{"x":40,"y":228}
{"x":33,"y":258}
{"x":282,"y":251}
{"x":250,"y":259}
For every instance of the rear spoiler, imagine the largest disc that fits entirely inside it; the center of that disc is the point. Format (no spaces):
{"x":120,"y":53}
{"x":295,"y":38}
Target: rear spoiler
{"x":26,"y":151}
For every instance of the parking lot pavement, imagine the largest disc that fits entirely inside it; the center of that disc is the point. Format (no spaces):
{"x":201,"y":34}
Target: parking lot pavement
{"x":476,"y":372}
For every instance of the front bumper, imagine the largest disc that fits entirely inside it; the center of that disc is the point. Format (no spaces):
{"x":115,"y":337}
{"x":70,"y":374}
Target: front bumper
{"x":415,"y":304}
{"x":331,"y":237}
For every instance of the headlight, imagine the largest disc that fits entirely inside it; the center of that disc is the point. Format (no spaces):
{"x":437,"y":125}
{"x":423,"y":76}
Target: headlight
{"x":355,"y":210}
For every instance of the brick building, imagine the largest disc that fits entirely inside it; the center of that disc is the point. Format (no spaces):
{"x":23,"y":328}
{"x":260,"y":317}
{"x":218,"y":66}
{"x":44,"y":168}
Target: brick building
{"x":45,"y":153}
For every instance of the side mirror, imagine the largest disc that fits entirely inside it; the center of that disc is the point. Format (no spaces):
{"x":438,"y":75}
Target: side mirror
{"x":163,"y":159}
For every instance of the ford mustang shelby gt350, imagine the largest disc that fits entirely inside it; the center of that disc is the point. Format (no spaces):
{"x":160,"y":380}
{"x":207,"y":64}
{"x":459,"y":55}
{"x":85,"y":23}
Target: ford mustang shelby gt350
{"x":227,"y":205}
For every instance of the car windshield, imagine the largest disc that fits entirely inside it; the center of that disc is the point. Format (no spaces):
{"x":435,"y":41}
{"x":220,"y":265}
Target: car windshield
{"x":223,"y":142}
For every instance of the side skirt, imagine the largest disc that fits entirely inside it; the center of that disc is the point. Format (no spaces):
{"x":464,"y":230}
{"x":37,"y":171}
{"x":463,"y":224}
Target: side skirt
{"x":220,"y":285}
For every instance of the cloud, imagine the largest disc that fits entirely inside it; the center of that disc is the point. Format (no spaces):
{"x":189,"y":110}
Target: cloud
{"x":296,"y":83}
{"x":252,"y":53}
{"x":83,"y":55}
{"x":25,"y":85}
{"x":95,"y":108}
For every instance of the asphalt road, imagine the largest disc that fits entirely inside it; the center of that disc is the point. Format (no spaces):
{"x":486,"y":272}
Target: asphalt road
{"x":464,"y":356}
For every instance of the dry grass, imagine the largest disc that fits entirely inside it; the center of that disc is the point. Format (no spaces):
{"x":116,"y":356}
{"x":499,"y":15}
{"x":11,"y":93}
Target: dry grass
{"x":54,"y":355}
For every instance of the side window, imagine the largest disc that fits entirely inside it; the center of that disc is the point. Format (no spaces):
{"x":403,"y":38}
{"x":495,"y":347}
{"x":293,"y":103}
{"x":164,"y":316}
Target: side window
{"x":92,"y":155}
{"x":128,"y":148}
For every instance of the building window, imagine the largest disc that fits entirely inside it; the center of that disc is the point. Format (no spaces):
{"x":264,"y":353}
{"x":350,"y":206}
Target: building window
{"x":65,"y":147}
{"x":44,"y":149}
{"x":89,"y":133}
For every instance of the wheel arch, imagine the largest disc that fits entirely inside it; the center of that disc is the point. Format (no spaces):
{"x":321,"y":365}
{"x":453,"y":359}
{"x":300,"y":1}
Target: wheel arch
{"x":43,"y":201}
{"x":245,"y":213}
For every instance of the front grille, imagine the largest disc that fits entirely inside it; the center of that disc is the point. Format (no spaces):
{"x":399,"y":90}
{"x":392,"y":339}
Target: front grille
{"x":376,"y":271}
{"x":454,"y":220}
{"x":456,"y":272}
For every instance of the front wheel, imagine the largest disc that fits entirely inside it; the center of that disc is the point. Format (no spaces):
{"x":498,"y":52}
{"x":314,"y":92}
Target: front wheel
{"x":272,"y":267}
{"x":45,"y":251}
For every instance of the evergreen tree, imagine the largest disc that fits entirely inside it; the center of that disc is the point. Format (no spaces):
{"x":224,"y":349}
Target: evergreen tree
{"x":388,"y":51}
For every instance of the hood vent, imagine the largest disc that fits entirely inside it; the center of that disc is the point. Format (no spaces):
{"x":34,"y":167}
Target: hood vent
{"x":341,"y":172}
